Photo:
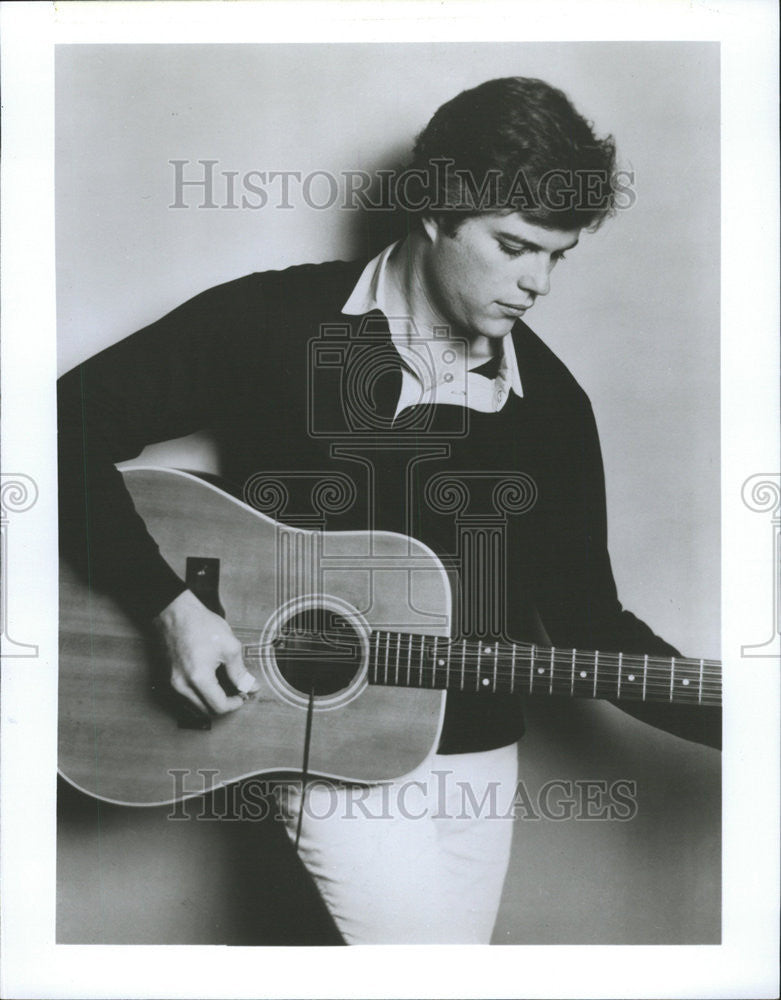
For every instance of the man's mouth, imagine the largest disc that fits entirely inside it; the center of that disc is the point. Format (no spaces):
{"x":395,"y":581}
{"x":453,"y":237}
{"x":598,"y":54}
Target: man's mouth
{"x":516,"y":310}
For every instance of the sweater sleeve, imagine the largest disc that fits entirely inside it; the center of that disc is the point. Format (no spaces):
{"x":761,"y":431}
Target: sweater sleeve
{"x":179,"y":375}
{"x":581,"y":591}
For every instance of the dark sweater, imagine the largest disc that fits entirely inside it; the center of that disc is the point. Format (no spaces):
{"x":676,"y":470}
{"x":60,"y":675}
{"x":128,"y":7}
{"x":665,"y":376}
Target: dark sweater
{"x":289,"y":383}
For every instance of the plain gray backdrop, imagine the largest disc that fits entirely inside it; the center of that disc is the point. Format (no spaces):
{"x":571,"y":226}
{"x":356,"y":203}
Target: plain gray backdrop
{"x":634,"y":312}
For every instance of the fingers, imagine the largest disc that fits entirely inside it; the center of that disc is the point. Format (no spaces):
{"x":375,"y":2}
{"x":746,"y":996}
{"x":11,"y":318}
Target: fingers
{"x":201,"y":683}
{"x":237,"y":673}
{"x":203,"y":690}
{"x":209,"y":689}
{"x":182,"y":687}
{"x":204,"y":656}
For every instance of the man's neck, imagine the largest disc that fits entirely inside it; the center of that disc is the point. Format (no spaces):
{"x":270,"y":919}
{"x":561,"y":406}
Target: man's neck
{"x":409,"y":259}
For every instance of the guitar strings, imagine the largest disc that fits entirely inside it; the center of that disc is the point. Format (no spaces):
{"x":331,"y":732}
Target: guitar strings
{"x":478,"y":665}
{"x":525,"y":653}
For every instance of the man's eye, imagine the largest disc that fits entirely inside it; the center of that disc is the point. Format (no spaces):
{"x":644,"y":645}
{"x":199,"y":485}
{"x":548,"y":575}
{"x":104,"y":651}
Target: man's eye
{"x":511,"y":251}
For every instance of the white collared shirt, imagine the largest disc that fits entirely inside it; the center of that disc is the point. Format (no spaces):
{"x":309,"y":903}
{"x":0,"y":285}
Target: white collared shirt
{"x":436,"y":366}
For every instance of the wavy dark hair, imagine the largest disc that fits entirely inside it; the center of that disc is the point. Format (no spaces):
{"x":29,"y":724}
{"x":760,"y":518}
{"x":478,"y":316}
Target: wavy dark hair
{"x":516,"y":144}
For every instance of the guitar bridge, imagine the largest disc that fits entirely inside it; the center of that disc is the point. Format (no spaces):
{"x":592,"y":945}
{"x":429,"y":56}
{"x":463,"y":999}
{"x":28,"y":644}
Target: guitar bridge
{"x":188,"y":717}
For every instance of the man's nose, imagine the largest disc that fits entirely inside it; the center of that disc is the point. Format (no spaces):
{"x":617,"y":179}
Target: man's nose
{"x":535,"y":277}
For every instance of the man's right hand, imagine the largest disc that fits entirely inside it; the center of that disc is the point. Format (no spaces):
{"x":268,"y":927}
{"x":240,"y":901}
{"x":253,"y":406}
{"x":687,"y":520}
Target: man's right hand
{"x":196,"y":642}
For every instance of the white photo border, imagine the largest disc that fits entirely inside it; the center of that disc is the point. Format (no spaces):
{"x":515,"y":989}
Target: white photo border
{"x":745,"y":964}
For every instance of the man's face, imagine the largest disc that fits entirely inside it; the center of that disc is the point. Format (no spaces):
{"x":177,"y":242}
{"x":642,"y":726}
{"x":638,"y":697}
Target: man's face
{"x":490,"y":271}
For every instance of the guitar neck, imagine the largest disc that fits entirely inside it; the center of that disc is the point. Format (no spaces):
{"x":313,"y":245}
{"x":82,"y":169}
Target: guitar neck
{"x":423,"y":661}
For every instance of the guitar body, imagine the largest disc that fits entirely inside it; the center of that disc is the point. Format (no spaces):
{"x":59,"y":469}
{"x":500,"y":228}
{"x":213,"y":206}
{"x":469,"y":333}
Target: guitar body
{"x":119,"y":737}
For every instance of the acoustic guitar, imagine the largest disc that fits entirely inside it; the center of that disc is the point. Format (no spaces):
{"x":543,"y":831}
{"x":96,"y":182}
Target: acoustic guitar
{"x":348,"y":634}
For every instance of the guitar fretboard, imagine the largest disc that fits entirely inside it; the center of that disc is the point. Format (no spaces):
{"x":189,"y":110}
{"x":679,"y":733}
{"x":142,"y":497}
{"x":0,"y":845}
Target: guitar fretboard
{"x":423,"y":661}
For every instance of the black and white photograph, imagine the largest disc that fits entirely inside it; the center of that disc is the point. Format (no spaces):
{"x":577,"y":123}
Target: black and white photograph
{"x":387,"y":494}
{"x":334,"y":404}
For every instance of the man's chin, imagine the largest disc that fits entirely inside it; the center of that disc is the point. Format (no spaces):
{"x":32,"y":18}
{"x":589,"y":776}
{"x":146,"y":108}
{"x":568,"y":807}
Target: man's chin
{"x":499,"y":329}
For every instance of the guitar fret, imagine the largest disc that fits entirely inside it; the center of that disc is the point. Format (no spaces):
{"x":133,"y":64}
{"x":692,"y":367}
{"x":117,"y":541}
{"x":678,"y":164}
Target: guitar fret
{"x":614,"y":675}
{"x":685,"y":684}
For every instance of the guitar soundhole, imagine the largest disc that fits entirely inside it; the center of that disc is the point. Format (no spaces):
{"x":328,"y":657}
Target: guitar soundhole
{"x":318,"y":649}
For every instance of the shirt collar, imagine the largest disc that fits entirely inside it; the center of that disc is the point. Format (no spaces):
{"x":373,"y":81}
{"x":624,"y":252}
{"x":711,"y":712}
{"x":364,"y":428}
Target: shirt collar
{"x":381,"y":286}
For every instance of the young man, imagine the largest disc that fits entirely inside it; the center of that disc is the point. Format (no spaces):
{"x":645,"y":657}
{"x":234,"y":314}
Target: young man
{"x":453,"y":424}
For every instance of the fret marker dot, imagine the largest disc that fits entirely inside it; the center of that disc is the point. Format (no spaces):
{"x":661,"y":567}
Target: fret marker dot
{"x":583,"y":673}
{"x":686,"y":682}
{"x":487,"y":649}
{"x":441,"y":663}
{"x":486,"y":682}
{"x":540,"y":670}
{"x":631,"y":677}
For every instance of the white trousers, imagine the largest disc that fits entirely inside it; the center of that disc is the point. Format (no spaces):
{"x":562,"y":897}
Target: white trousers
{"x":420,"y":860}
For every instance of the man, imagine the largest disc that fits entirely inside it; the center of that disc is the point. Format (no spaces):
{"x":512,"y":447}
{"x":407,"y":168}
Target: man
{"x":434,"y":399}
